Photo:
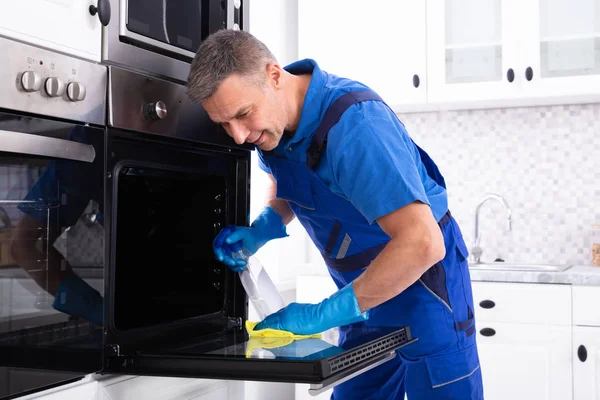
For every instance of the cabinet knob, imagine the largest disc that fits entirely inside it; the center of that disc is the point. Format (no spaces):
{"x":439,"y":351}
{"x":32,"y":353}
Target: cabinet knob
{"x":103,"y":11}
{"x":510,"y":75}
{"x":582,"y":353}
{"x":529,"y":73}
{"x":487,"y":304}
{"x":487,"y":332}
{"x":416,"y":80}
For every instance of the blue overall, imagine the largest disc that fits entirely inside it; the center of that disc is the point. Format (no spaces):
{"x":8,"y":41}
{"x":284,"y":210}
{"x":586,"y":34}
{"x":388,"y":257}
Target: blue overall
{"x":443,"y":363}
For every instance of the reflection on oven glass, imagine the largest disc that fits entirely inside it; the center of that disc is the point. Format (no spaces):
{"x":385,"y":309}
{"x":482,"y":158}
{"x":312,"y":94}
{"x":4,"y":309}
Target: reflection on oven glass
{"x":51,"y":227}
{"x":282,"y":349}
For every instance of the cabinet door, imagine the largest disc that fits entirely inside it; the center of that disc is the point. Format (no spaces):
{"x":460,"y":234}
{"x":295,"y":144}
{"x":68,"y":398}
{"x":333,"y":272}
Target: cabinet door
{"x":62,"y":25}
{"x":586,"y":363}
{"x":381,"y":43}
{"x":525,"y":361}
{"x":471,"y":49}
{"x":560,"y":47}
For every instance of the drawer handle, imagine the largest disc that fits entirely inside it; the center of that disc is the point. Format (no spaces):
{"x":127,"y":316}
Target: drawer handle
{"x":510,"y":75}
{"x":529,"y":73}
{"x":487,"y":332}
{"x":582,"y":353}
{"x":416,"y":81}
{"x":487,"y":304}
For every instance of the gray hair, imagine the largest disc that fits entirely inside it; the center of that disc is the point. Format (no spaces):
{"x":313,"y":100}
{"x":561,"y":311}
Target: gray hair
{"x":222,"y":54}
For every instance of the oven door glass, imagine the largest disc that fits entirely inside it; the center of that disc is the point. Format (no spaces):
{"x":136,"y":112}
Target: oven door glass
{"x":178,"y":23}
{"x":51,"y":251}
{"x":317,"y":361}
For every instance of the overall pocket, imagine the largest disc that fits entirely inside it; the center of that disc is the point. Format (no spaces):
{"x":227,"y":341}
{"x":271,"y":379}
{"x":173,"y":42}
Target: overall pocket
{"x":448,"y":368}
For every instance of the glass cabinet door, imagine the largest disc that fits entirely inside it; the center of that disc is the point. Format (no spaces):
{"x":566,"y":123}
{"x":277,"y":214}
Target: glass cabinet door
{"x":470,"y":49}
{"x":560,"y":50}
{"x":569,"y":38}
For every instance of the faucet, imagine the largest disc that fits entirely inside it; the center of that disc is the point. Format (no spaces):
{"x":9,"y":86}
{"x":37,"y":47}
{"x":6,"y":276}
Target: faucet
{"x":477,"y":250}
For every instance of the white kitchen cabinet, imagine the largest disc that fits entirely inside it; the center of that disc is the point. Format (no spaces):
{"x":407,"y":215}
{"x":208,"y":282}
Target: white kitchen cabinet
{"x":524,"y":339}
{"x":381,"y":43}
{"x":525,"y":361}
{"x":470,"y":49}
{"x":586,"y":363}
{"x":510,"y":52}
{"x":586,"y":343}
{"x":62,"y":25}
{"x":560,"y":46}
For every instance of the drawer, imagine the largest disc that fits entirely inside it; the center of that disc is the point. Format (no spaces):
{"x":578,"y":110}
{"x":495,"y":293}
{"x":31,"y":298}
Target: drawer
{"x":585,"y":305}
{"x":522,"y":302}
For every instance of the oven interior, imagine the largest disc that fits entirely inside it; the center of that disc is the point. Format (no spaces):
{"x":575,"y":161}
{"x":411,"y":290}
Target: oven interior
{"x":168,"y":203}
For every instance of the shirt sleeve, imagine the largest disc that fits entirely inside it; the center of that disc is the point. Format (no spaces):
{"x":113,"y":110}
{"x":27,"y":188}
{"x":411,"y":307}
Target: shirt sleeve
{"x":375,"y":166}
{"x":261,"y":162}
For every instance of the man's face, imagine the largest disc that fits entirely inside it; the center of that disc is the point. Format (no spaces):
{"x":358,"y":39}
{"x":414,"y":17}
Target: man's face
{"x":249,"y":112}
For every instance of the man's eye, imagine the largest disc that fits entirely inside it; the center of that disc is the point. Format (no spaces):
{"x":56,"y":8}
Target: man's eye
{"x":244,"y":115}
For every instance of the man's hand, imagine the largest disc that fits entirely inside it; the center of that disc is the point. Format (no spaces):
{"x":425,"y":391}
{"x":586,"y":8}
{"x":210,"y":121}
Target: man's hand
{"x":341,"y":308}
{"x":267,"y":226}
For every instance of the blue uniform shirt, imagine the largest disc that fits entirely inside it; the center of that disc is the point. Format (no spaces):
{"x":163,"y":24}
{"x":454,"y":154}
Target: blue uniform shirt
{"x":370,"y":159}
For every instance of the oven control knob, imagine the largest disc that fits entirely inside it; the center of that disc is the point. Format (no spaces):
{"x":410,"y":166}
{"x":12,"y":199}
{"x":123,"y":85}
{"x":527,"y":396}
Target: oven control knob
{"x":31,"y":81}
{"x":54,"y":87}
{"x":155,"y":111}
{"x":76,"y":91}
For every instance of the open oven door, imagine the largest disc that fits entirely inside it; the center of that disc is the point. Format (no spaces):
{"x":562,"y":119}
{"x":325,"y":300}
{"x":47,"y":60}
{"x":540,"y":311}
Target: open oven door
{"x":234,"y":356}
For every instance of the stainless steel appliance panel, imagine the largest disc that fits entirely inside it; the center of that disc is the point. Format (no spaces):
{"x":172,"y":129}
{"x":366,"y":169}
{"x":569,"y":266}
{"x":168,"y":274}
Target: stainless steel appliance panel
{"x":46,"y":83}
{"x":142,"y":103}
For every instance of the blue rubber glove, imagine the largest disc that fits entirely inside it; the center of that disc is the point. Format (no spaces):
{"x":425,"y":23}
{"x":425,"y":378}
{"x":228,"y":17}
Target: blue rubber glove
{"x":341,"y":308}
{"x":75,"y":297}
{"x":268,"y":225}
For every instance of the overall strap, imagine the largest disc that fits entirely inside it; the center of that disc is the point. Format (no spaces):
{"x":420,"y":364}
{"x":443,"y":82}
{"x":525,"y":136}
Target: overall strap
{"x":332,"y":117}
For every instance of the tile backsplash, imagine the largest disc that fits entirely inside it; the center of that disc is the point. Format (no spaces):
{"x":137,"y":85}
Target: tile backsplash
{"x":545,"y":161}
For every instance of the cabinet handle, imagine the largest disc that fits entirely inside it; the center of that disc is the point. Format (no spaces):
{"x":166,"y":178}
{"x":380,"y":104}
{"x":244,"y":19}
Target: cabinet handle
{"x":103,"y":11}
{"x":487,"y":332}
{"x":529,"y":73}
{"x":510,"y":75}
{"x":487,"y":304}
{"x":416,"y":80}
{"x":582,"y":353}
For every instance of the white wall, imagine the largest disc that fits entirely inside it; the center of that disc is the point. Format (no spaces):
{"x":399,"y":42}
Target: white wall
{"x":543,"y":160}
{"x":275,"y":23}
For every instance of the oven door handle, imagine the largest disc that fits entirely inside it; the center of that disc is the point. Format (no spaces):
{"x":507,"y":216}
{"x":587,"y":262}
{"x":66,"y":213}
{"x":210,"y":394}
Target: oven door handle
{"x":26,"y":143}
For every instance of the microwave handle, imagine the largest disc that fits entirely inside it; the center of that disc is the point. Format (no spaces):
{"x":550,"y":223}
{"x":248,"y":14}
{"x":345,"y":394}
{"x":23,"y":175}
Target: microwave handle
{"x":35,"y":145}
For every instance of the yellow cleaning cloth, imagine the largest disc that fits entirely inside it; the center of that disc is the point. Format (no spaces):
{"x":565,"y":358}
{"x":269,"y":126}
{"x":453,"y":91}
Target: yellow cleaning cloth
{"x":274,"y":333}
{"x":270,"y":338}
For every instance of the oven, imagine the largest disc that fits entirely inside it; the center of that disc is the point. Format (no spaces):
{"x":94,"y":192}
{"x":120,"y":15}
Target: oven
{"x":106,"y":233}
{"x":52,"y":208}
{"x":161,"y":37}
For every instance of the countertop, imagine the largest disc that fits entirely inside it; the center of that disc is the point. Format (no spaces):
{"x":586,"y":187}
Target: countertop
{"x":576,"y":275}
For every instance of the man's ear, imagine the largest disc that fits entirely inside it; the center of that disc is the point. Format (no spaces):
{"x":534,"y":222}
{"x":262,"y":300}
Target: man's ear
{"x":274,"y":75}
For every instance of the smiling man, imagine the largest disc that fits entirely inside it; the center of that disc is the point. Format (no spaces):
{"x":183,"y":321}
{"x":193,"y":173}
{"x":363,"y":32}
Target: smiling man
{"x":372,"y":201}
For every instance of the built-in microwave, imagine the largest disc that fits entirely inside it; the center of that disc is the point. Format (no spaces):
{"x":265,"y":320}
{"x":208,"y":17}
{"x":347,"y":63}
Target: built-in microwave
{"x":161,"y":37}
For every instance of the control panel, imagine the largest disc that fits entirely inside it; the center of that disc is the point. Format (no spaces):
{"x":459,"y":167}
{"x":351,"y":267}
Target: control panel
{"x":48,"y":83}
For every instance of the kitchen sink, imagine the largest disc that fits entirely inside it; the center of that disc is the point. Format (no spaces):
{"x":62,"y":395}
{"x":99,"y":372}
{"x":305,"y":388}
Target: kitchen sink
{"x":504,"y":266}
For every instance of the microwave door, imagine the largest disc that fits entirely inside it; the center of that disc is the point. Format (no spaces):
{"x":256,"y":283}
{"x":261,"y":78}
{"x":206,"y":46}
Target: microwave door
{"x":235,"y":356}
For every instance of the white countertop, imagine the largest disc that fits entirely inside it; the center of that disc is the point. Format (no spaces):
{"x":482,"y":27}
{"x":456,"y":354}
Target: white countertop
{"x":576,"y":275}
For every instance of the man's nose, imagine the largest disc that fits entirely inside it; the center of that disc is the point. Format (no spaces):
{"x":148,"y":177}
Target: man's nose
{"x":238,"y":132}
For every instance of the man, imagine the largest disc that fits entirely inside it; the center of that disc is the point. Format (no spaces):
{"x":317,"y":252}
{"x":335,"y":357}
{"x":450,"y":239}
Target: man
{"x":371,"y":200}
